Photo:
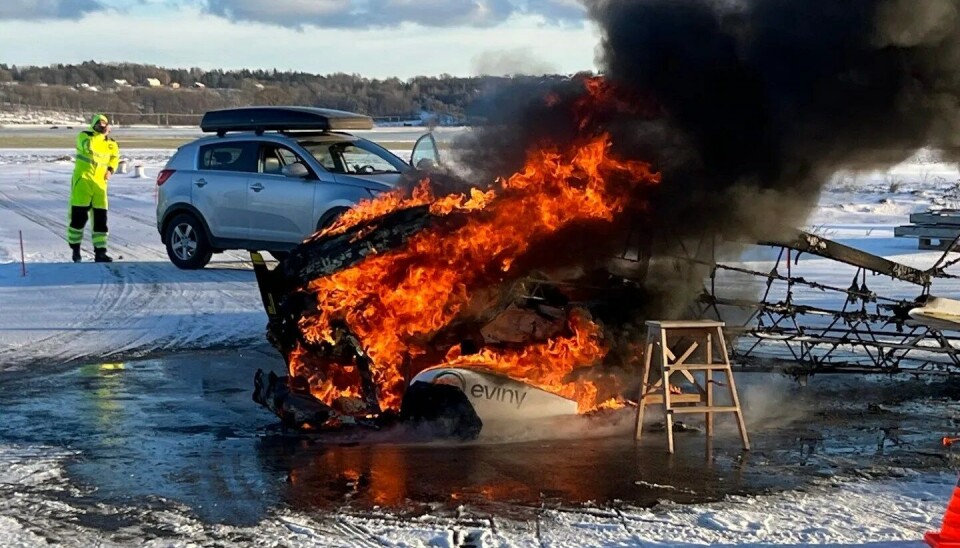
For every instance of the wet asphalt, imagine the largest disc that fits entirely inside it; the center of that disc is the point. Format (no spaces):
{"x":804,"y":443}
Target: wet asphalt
{"x":184,"y":429}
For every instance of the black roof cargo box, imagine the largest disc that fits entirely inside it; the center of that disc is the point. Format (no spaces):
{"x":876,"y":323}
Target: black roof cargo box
{"x":282,"y":119}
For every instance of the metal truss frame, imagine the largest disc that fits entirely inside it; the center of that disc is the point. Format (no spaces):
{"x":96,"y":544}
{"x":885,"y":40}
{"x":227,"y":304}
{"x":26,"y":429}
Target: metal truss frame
{"x":870,"y":333}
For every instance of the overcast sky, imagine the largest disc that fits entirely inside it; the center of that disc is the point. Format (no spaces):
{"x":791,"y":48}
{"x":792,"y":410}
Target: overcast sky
{"x":374,"y":38}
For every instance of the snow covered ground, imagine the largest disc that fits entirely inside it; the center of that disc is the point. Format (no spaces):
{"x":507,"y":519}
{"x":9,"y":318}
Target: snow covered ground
{"x":142,"y":305}
{"x":61,"y":311}
{"x":25,"y":116}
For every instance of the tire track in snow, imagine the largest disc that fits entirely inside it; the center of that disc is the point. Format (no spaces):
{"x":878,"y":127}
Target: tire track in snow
{"x":58,"y":226}
{"x":58,"y":345}
{"x":359,"y":536}
{"x":116,"y":299}
{"x":119,"y":299}
{"x":157,"y":252}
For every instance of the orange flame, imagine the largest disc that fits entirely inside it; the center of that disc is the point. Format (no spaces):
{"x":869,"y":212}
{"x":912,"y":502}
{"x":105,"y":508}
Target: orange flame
{"x":393,"y":302}
{"x":602,"y":95}
{"x":547,"y":365}
{"x":326,"y":383}
{"x":367,"y":210}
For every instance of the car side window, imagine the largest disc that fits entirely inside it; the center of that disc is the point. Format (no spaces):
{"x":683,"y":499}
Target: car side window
{"x":288,"y":156}
{"x":324,"y":156}
{"x":232,"y":156}
{"x":358,"y":157}
{"x":274,"y":157}
{"x":358,"y":160}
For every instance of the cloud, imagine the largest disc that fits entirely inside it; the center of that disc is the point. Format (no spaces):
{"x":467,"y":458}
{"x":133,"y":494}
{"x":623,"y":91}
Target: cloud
{"x":391,"y":13}
{"x":300,"y":14}
{"x":288,"y":13}
{"x":563,"y":11}
{"x":403,"y":51}
{"x":440,"y":13}
{"x":47,"y":9}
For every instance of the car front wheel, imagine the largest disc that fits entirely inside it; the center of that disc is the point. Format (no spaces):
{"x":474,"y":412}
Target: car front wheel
{"x":187,"y":244}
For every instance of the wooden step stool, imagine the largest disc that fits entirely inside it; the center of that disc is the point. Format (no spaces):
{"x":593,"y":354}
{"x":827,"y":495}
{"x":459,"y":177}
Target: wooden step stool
{"x":689,"y":336}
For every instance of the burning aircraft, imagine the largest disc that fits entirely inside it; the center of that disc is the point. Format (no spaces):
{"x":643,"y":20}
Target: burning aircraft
{"x":503,"y":283}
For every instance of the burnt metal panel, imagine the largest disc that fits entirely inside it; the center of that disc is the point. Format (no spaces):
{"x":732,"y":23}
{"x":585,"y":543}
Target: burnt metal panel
{"x":815,"y":245}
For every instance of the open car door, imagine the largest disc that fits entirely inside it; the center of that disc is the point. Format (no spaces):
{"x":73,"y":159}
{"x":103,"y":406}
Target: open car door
{"x":425,"y":153}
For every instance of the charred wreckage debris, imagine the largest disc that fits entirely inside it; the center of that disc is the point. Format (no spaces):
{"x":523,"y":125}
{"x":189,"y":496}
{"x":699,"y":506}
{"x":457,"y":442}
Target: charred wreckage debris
{"x":516,"y":279}
{"x":870,"y":333}
{"x":286,"y":303}
{"x":436,"y":291}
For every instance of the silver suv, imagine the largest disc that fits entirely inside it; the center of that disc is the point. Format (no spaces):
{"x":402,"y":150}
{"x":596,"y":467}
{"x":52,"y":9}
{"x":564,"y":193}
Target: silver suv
{"x":271,"y":177}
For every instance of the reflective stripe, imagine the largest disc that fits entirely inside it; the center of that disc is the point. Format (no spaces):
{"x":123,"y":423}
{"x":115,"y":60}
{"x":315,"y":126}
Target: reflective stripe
{"x":74,"y":235}
{"x":87,"y":159}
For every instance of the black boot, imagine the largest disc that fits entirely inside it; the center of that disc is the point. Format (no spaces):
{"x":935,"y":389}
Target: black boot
{"x":76,"y":252}
{"x":100,"y":255}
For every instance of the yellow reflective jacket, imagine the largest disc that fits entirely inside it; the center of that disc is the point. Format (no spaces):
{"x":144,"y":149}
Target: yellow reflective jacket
{"x":96,"y":153}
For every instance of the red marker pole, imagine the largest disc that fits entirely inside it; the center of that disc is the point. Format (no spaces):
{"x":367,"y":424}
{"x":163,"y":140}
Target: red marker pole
{"x":23,"y":263}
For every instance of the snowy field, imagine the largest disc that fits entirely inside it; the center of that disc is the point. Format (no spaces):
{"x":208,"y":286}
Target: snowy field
{"x":62,"y":313}
{"x":142,"y":304}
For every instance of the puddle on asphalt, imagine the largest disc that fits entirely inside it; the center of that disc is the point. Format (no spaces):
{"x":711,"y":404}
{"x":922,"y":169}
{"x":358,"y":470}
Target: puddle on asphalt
{"x":184,"y":428}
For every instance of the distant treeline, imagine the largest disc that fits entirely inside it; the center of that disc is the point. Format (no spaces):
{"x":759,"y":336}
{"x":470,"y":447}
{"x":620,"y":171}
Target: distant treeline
{"x":145,"y":91}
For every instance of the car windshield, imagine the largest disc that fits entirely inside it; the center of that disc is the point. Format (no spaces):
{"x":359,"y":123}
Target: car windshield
{"x":353,"y":157}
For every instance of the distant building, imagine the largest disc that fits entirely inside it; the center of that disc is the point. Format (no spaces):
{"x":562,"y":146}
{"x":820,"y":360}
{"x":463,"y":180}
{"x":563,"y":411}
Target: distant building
{"x":198,"y":85}
{"x":153,"y":82}
{"x":175,"y":85}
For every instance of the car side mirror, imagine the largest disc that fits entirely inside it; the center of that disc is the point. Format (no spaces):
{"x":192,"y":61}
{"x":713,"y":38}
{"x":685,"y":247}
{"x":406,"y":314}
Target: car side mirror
{"x":295,"y":170}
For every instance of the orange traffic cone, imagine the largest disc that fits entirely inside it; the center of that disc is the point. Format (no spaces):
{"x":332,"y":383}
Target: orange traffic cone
{"x":949,"y":535}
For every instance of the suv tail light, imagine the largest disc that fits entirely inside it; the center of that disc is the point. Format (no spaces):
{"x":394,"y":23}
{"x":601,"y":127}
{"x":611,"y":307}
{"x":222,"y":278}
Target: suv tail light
{"x":164,"y":175}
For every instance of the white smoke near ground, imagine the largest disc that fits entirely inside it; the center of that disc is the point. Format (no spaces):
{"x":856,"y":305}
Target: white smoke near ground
{"x":771,"y":401}
{"x":607,"y":424}
{"x":510,"y":62}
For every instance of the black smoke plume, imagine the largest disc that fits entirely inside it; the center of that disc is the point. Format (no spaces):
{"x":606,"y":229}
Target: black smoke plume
{"x":768,"y":98}
{"x":747,"y":107}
